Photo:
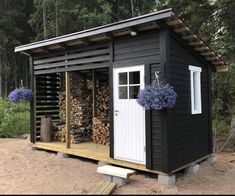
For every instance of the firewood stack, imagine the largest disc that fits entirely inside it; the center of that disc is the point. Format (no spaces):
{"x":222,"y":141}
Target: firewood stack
{"x":102,"y":102}
{"x":80,"y":114}
{"x":78,"y":133}
{"x":101,"y":125}
{"x":81,"y":109}
{"x":101,"y":131}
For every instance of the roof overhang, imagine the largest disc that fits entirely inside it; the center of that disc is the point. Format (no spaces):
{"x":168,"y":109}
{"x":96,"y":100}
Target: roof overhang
{"x":126,"y":27}
{"x":98,"y":30}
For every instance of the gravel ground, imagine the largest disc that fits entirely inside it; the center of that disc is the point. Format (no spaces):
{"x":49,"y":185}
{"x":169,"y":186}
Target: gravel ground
{"x":23,"y":171}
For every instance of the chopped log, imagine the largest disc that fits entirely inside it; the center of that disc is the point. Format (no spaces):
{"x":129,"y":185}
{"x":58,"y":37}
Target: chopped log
{"x":46,"y":129}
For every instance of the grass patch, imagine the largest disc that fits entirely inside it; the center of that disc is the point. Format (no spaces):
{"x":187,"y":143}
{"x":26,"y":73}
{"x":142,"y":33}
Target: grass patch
{"x":14,"y":118}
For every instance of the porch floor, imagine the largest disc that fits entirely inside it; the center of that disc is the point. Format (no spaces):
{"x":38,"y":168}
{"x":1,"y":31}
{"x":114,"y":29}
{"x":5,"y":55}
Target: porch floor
{"x":92,"y":151}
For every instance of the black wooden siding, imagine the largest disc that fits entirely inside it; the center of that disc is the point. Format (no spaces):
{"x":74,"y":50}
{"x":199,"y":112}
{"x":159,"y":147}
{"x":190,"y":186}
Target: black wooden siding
{"x":144,"y":49}
{"x":188,"y":135}
{"x":156,"y":129}
{"x":137,"y":50}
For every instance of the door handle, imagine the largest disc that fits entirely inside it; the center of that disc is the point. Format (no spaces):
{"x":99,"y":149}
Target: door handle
{"x":116,"y":112}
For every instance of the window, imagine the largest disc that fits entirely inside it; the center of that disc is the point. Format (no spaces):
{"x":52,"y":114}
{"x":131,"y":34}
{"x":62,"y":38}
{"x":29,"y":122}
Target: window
{"x":195,"y":80}
{"x":128,"y":85}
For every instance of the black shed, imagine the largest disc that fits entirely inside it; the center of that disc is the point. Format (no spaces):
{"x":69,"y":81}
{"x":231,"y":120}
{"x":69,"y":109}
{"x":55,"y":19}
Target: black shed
{"x":125,"y":56}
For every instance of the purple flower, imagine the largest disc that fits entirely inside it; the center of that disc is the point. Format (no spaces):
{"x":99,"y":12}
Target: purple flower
{"x":157,"y":97}
{"x":21,"y":94}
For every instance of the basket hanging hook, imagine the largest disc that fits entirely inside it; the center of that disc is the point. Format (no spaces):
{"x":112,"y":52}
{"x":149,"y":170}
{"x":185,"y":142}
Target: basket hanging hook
{"x":157,"y":77}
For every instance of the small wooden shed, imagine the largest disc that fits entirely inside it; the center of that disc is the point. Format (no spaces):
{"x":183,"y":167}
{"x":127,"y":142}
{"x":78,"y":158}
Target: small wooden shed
{"x":129,"y":52}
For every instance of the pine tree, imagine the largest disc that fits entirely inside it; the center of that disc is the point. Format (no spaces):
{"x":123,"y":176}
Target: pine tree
{"x":14,"y":31}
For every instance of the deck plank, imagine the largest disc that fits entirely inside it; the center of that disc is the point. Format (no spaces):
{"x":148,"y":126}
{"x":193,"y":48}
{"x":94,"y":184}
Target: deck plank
{"x":92,"y":151}
{"x":96,"y":187}
{"x":109,"y":189}
{"x":103,"y":188}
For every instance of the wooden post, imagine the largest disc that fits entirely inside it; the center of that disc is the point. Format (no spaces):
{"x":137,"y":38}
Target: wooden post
{"x":94,"y":92}
{"x":32,"y":104}
{"x":67,"y":87}
{"x":34,"y":116}
{"x":93,"y":98}
{"x":111,"y":121}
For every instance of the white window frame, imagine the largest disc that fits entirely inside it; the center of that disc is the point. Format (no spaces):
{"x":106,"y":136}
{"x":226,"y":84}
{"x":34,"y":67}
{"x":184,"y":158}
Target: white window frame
{"x":195,"y":89}
{"x":128,"y":85}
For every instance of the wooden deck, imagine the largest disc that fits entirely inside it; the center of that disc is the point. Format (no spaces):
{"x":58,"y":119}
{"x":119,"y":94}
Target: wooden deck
{"x":92,"y":151}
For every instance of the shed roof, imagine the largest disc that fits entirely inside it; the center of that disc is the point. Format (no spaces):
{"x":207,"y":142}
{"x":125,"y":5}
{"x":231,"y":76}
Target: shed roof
{"x":125,"y":27}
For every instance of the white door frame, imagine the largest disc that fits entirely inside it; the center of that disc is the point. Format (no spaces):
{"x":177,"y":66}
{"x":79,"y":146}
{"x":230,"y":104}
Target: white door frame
{"x":142,"y":139}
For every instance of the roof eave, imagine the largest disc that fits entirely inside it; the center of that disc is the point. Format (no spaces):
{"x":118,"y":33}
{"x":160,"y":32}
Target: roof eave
{"x":98,"y":30}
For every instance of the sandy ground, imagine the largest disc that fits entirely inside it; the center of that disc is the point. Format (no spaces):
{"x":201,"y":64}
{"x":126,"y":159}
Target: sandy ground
{"x":23,"y":171}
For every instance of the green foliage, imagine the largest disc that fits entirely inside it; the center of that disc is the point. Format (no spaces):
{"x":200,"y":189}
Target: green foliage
{"x":221,"y":126}
{"x":14,"y":31}
{"x":13,"y":26}
{"x":223,"y":93}
{"x":195,"y":13}
{"x":14,"y":118}
{"x":223,"y":99}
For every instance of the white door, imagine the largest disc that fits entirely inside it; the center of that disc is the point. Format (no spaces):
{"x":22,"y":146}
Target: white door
{"x":129,"y":116}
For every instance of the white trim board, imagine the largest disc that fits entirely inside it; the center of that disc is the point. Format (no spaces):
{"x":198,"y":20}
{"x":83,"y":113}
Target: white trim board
{"x":195,"y":84}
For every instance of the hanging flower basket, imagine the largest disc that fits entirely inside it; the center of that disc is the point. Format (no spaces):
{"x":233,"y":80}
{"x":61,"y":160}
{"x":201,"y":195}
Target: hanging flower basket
{"x":157,"y":96}
{"x":21,"y":94}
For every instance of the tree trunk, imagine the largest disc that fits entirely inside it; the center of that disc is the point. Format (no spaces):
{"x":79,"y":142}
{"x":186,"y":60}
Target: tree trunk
{"x":5,"y":78}
{"x":44,"y":20}
{"x":56,"y":18}
{"x":132,"y":8}
{"x":15,"y":73}
{"x":1,"y":94}
{"x":26,"y":75}
{"x":231,"y":24}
